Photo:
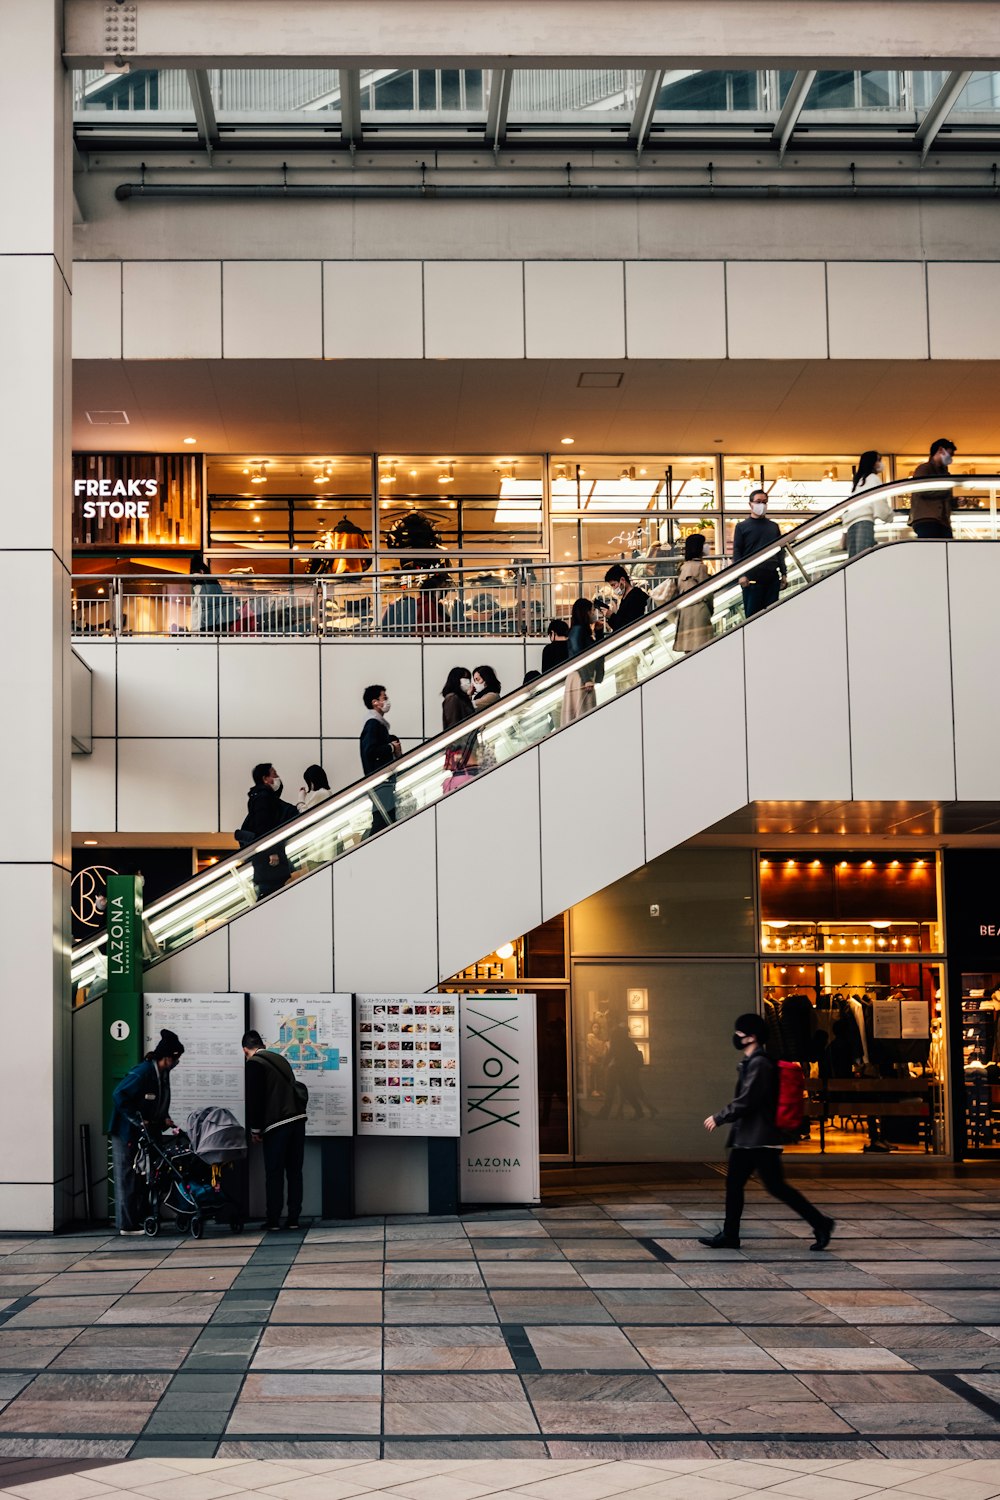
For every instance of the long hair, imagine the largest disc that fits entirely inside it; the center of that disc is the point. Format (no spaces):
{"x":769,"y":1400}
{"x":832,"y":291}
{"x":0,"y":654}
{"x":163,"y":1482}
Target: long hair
{"x":581,"y":613}
{"x":453,"y":682}
{"x":491,"y":682}
{"x":866,"y":466}
{"x":315,"y":779}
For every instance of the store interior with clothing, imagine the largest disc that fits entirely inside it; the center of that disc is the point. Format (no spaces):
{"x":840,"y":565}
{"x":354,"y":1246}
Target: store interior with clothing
{"x":843,"y":952}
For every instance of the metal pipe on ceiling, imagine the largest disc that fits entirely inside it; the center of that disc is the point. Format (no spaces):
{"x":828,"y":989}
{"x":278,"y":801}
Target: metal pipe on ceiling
{"x":548,"y":192}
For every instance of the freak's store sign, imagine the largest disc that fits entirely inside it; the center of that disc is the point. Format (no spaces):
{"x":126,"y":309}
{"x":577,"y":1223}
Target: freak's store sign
{"x":499,"y":1146}
{"x":136,"y":499}
{"x":115,"y":498}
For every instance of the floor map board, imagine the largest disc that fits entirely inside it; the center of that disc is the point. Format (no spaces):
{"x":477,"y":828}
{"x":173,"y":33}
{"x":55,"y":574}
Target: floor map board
{"x":211,"y":1028}
{"x":408,"y":1080}
{"x":314,"y":1033}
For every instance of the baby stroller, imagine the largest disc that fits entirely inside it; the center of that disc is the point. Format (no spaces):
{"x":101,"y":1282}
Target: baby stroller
{"x":194,"y":1176}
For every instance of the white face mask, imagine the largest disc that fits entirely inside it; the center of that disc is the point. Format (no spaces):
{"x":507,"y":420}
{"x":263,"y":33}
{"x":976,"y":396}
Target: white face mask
{"x":477,"y":687}
{"x":758,"y":508}
{"x":465,"y":683}
{"x":386,"y":706}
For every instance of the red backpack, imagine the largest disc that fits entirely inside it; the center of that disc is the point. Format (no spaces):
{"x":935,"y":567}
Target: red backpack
{"x":791,"y":1107}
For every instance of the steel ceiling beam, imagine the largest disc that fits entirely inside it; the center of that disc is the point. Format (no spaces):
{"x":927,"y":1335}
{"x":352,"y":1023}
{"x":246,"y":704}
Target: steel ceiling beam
{"x":645,"y":107}
{"x":350,"y":106}
{"x":792,"y":108}
{"x":941,"y":107}
{"x":710,"y":34}
{"x":501,"y":80}
{"x":204,"y":109}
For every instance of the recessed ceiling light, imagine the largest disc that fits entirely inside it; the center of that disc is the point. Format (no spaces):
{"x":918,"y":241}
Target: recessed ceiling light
{"x":90,"y":841}
{"x":567,"y":441}
{"x":190,"y":440}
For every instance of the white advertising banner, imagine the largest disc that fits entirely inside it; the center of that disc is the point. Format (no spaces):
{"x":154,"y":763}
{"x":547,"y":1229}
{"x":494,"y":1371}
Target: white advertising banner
{"x":499,"y":1150}
{"x":408,"y":1073}
{"x":313,"y":1033}
{"x":211,"y":1029}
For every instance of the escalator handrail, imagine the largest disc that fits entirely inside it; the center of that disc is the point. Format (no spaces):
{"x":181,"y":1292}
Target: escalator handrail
{"x":607,"y":647}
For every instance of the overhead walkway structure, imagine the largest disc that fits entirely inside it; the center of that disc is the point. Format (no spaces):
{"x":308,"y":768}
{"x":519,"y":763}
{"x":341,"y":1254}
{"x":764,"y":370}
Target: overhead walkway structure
{"x":871,"y":681}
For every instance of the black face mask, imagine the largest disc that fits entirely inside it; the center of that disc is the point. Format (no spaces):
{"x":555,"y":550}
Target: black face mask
{"x":739,"y":1041}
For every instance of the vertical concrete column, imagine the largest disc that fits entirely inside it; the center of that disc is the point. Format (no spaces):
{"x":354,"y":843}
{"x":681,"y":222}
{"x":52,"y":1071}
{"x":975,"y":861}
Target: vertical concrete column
{"x":35,"y":262}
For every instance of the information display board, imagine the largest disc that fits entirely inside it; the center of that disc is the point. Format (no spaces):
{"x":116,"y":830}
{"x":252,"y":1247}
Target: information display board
{"x":408,"y":1069}
{"x":211,"y":1028}
{"x":313,"y":1032}
{"x":499,"y":1092}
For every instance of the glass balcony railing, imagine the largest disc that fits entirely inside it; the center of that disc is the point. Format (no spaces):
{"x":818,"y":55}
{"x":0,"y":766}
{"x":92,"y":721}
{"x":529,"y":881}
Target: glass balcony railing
{"x":613,"y":666}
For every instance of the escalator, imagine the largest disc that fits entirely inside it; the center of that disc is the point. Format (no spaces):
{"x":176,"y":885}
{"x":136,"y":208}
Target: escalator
{"x":387,"y":887}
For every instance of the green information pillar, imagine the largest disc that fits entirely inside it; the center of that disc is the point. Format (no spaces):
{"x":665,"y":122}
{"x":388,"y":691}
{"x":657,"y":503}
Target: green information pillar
{"x":121,"y":1019}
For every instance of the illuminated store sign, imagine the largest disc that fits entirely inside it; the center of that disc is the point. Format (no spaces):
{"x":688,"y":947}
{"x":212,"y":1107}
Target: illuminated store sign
{"x":131,"y":500}
{"x":119,"y":498}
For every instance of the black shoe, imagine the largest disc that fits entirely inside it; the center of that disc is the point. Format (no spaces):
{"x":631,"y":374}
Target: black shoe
{"x":293,"y":1224}
{"x":267,"y":1225}
{"x":877,"y":1146}
{"x":718,"y":1242}
{"x":823,"y":1234}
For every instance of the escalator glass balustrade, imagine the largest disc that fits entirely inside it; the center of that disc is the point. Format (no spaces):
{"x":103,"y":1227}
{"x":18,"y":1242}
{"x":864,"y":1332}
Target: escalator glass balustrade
{"x":443,"y":766}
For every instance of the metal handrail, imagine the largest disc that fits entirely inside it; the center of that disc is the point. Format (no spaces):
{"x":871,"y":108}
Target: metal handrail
{"x":513,"y":725}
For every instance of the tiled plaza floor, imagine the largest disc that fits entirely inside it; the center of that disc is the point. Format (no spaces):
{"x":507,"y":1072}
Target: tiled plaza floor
{"x":586,"y":1348}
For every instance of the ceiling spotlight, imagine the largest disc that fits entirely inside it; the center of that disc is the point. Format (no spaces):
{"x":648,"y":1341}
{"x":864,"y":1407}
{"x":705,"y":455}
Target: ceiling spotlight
{"x":627,"y":473}
{"x":507,"y":468}
{"x":567,"y":441}
{"x":389,"y":477}
{"x":325,"y":475}
{"x":505,"y":950}
{"x":448,"y":477}
{"x":191,"y":440}
{"x":258,"y":474}
{"x":90,"y":841}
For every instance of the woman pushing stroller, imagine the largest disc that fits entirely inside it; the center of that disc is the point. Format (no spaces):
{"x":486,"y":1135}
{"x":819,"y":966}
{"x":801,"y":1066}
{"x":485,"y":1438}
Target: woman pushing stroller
{"x":143,"y":1095}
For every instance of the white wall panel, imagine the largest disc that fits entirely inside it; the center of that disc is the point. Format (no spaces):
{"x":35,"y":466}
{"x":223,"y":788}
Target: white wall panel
{"x":286,"y":944}
{"x":167,"y":786}
{"x":675,"y":309}
{"x":964,"y":302}
{"x":272,"y":309}
{"x":348,"y":667}
{"x":975,"y":648}
{"x":776,"y":309}
{"x":168,"y":690}
{"x":574,"y":309}
{"x":592,"y":822}
{"x":32,"y":297}
{"x":488,"y":876}
{"x":94,"y":779}
{"x":803,"y":642}
{"x":198,"y":970}
{"x":171,"y":309}
{"x":474,"y":309}
{"x":100,"y":658}
{"x":97,"y":309}
{"x":868,"y":299}
{"x":373,"y":309}
{"x":265,"y":685}
{"x":694,"y":736}
{"x":902,"y":740}
{"x":31,"y":691}
{"x":237,"y":759}
{"x":385,"y":911}
{"x":505,"y":657}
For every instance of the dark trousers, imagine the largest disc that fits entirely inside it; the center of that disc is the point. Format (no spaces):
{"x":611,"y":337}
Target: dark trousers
{"x":766,"y":1162}
{"x":284,"y":1149}
{"x":761,"y":593}
{"x":937,"y":529}
{"x":383,"y":805}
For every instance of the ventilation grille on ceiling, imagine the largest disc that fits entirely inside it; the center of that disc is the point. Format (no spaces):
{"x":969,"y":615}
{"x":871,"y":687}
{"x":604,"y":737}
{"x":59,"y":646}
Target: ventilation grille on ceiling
{"x":605,"y":380}
{"x":108,"y":418}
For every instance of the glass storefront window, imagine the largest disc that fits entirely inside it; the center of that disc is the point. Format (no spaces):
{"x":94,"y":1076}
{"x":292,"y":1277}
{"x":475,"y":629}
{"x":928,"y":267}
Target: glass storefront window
{"x":980,"y":1044}
{"x":319,"y":507}
{"x":441,"y":504}
{"x":795,"y":486}
{"x":866,"y":1020}
{"x":686,"y":901}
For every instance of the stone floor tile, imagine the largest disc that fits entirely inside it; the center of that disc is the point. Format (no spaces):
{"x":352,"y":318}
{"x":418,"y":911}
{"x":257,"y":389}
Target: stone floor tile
{"x":771,"y":1307}
{"x":885,"y":1306}
{"x":53,"y":1312}
{"x":821,"y":1487}
{"x":948,"y":1486}
{"x":947,"y":1418}
{"x":592,"y":1347}
{"x":315,"y":1347}
{"x":212,"y":1485}
{"x":556,"y":1306}
{"x":65,"y":1487}
{"x":804,"y":1358}
{"x":425,"y":1347}
{"x":459,"y":1306}
{"x":140,"y":1308}
{"x":331,"y":1276}
{"x":684,"y":1306}
{"x":327,"y":1307}
{"x":115,"y":1419}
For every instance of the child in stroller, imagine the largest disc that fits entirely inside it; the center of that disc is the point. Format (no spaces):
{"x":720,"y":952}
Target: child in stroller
{"x":193,"y":1174}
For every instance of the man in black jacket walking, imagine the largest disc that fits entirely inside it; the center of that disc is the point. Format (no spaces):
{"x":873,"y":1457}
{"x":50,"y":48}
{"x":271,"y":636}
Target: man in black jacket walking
{"x":379,"y":748}
{"x":276,"y":1120}
{"x":755,"y":1143}
{"x":761,"y":582}
{"x":266,"y":811}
